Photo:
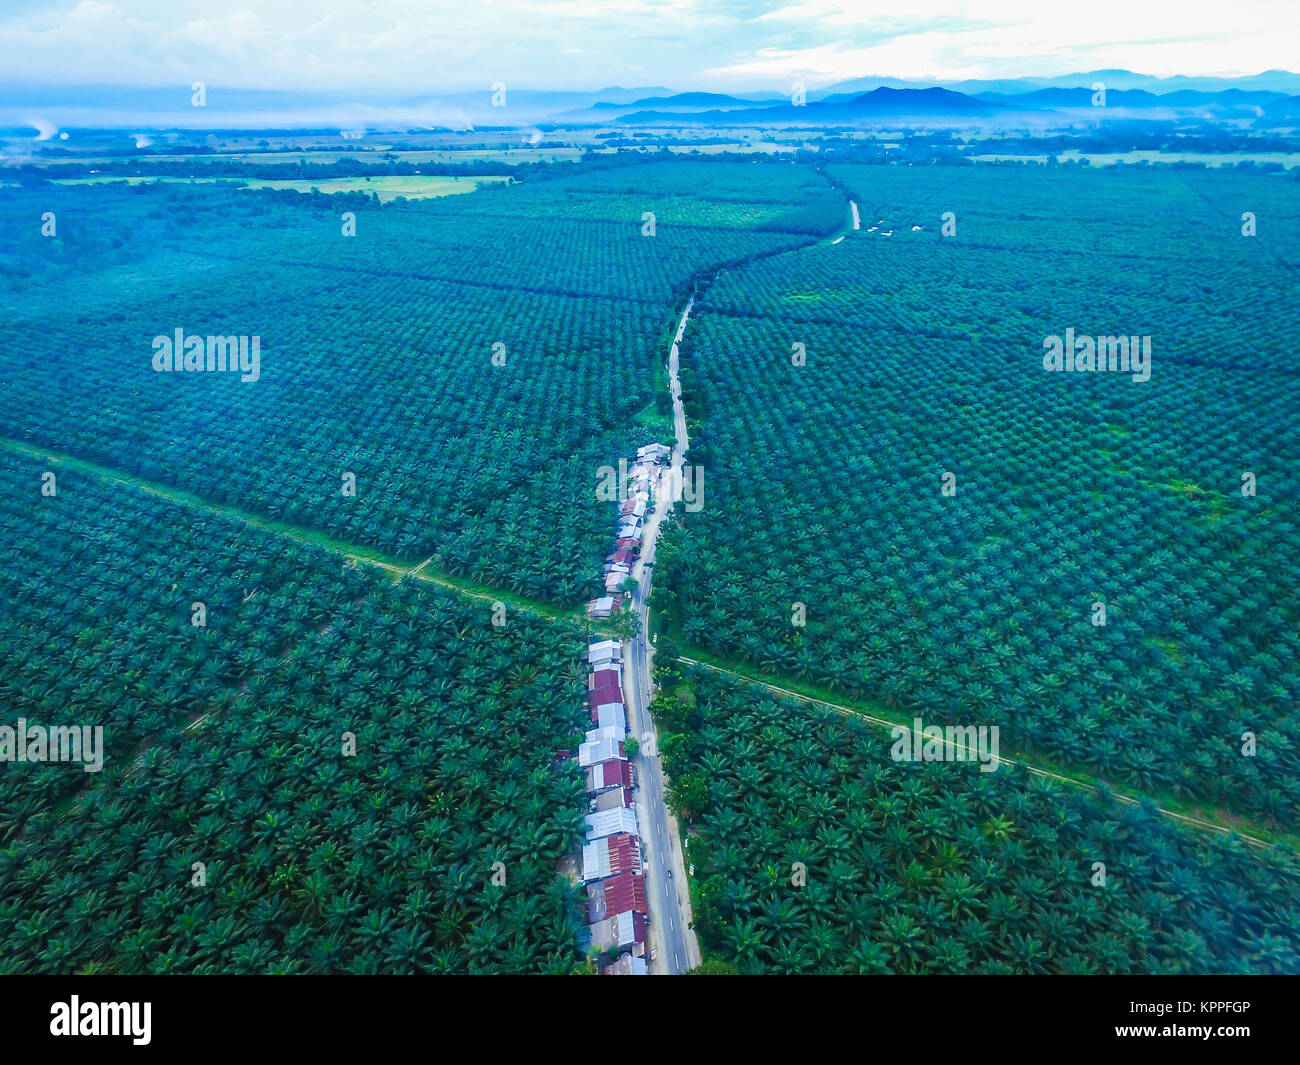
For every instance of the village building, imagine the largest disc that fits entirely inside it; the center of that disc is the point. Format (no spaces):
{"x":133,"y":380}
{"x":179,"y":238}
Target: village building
{"x":605,"y":660}
{"x":626,"y":931}
{"x":616,"y":773}
{"x":603,"y":607}
{"x":602,"y":745}
{"x":602,"y":678}
{"x":609,"y":715}
{"x":622,"y":557}
{"x":611,"y":823}
{"x":610,"y":693}
{"x":613,"y":799}
{"x":610,"y":856}
{"x":624,"y":893}
{"x":626,"y":965}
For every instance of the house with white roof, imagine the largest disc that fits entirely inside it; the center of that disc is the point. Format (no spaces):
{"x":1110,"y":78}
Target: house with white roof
{"x":602,"y":745}
{"x":610,"y":823}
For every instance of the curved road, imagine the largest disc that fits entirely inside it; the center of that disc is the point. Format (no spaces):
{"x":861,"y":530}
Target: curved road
{"x":671,"y":939}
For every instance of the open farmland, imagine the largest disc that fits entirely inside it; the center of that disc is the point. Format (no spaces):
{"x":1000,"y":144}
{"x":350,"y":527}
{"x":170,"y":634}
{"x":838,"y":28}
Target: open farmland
{"x":941,"y":868}
{"x":975,"y":597}
{"x":373,"y":154}
{"x":386,"y":187}
{"x":227,"y":746}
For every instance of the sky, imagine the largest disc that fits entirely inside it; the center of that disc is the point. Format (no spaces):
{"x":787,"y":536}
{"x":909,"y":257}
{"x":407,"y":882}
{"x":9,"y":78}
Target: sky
{"x":430,"y":46}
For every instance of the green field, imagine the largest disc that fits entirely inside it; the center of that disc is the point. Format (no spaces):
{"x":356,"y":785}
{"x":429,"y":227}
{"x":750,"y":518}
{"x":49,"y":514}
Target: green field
{"x":373,"y":154}
{"x":1211,"y":159}
{"x":388,"y":187}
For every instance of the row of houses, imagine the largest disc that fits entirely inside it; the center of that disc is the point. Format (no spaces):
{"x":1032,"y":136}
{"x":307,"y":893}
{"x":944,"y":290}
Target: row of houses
{"x":611,"y":855}
{"x":641,"y":479}
{"x":617,"y":913}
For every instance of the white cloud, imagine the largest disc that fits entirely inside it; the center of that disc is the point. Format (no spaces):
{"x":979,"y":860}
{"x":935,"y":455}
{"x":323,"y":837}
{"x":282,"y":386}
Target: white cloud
{"x":1008,"y":38}
{"x":418,"y":46}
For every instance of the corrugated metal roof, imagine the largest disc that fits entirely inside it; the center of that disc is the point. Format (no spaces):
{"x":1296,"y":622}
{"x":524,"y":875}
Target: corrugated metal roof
{"x":596,"y":860}
{"x":624,"y":893}
{"x":624,"y":853}
{"x":599,"y":750}
{"x":610,"y":715}
{"x":611,"y":822}
{"x":614,"y":773}
{"x":605,"y":695}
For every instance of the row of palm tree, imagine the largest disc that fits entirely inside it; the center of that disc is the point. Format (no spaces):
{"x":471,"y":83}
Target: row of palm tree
{"x":826,"y":489}
{"x":476,"y":464}
{"x":312,"y":860}
{"x":939,"y":868}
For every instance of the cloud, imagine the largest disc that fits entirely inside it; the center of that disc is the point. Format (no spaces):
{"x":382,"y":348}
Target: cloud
{"x":417,"y":47}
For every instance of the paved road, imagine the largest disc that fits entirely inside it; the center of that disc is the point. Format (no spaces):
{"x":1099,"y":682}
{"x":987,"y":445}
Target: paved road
{"x":675,"y":946}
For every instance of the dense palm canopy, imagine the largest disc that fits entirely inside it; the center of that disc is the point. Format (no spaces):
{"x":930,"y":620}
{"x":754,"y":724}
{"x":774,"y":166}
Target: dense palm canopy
{"x":940,"y":868}
{"x":823,"y":489}
{"x":377,"y":350}
{"x":315,"y":861}
{"x":924,"y":357}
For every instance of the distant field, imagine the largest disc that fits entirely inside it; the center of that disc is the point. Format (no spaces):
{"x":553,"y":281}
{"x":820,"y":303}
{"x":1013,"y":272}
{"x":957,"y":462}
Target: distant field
{"x":491,"y":155}
{"x":766,"y":147}
{"x":376,"y":154}
{"x":1287,"y":159}
{"x":413,"y":187}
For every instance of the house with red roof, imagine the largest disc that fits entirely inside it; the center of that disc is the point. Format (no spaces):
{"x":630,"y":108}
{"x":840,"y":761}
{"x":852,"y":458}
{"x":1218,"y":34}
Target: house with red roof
{"x":602,"y":678}
{"x":624,"y":893}
{"x":611,"y":856}
{"x":616,"y":773}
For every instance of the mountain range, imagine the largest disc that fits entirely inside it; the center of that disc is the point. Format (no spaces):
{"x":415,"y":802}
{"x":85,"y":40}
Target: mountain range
{"x":1272,"y":96}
